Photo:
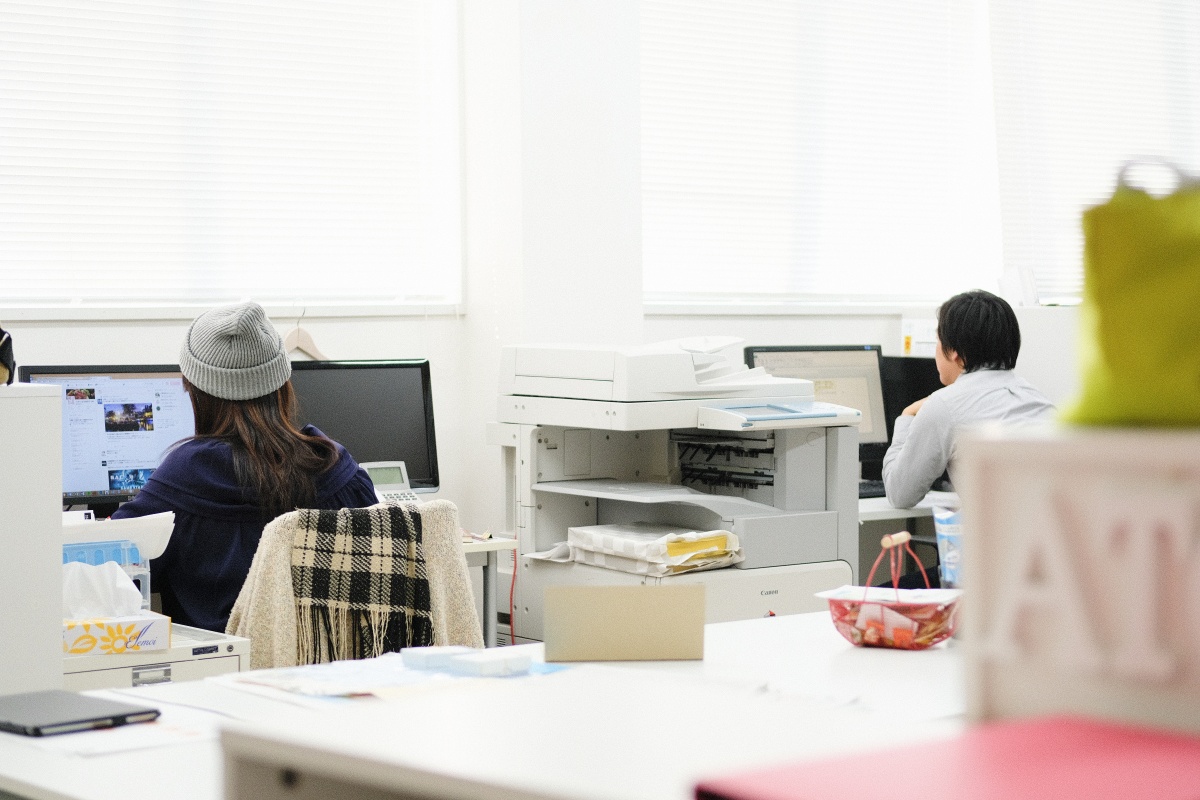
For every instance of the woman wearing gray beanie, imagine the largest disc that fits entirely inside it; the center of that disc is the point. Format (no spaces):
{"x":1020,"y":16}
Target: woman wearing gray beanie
{"x":247,"y":464}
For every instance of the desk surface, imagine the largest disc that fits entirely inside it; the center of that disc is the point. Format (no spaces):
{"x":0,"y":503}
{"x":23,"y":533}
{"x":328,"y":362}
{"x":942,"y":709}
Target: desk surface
{"x":588,"y":733}
{"x":871,"y":509}
{"x":492,"y":545}
{"x":767,"y":689}
{"x":803,"y":655}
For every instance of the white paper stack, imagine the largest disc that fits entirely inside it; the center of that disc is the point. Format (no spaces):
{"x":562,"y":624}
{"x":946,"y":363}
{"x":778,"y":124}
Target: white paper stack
{"x":435,"y":657}
{"x":645,"y":548}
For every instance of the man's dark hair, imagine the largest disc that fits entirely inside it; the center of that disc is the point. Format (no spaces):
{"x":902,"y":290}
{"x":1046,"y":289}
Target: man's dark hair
{"x":981,"y":328}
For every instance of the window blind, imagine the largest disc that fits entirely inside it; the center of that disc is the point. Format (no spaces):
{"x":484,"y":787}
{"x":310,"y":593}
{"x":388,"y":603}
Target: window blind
{"x":807,"y":150}
{"x":1082,"y":87}
{"x":203,"y":151}
{"x":816,"y":151}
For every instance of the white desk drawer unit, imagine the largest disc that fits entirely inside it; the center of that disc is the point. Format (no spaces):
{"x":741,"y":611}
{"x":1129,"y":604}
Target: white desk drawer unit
{"x":194,"y":654}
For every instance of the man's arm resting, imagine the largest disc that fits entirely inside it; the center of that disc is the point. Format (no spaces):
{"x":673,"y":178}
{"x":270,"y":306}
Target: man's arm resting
{"x":916,"y":458}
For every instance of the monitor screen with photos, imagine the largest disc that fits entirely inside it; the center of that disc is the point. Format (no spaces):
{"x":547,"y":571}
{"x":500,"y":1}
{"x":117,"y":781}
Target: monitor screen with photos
{"x":117,"y":424}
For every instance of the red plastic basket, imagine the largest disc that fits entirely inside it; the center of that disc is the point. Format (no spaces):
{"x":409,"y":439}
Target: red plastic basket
{"x":912,"y":621}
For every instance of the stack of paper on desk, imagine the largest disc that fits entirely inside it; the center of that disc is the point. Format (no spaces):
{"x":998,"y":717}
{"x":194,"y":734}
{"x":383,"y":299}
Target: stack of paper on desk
{"x":648,"y":549}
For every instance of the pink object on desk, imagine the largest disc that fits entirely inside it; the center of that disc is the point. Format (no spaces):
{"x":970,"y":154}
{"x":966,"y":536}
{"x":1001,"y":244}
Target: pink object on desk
{"x":1033,"y":759}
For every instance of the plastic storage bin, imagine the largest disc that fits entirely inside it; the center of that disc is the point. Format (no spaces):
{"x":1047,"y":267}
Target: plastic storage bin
{"x":124,"y":552}
{"x":905,"y":619}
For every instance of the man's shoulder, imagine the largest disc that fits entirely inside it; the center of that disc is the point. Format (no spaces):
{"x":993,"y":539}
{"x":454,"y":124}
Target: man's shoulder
{"x":981,"y":382}
{"x":943,"y":399}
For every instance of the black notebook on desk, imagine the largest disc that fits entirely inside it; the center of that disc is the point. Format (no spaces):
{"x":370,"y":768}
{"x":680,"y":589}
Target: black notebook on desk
{"x":54,"y":711}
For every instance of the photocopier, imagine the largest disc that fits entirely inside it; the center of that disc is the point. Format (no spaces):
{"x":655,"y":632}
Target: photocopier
{"x":675,"y":433}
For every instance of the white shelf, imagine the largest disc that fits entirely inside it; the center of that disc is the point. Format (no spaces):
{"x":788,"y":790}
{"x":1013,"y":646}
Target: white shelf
{"x":630,"y":492}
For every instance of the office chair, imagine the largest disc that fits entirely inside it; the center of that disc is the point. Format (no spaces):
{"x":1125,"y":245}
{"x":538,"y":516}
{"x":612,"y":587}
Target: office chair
{"x":355,"y":583}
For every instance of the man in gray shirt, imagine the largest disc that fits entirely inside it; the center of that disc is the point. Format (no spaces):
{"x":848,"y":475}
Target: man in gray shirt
{"x":978,"y":342}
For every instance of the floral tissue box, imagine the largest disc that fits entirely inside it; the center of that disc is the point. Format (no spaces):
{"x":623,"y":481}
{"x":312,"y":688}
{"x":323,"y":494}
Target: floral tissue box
{"x":135,"y":633}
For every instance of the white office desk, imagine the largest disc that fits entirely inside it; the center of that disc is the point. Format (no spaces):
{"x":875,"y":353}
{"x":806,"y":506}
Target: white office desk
{"x":877,"y":517}
{"x":874,"y":509}
{"x":592,"y":733}
{"x":486,"y":549}
{"x":804,"y":655}
{"x":190,"y":770}
{"x":768,"y":690}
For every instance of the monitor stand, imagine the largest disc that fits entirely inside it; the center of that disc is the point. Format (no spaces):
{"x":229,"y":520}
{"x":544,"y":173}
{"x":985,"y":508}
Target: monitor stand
{"x":101,"y":509}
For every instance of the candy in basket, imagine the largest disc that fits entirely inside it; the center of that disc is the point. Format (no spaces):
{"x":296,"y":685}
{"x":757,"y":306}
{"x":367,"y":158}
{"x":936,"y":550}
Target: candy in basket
{"x":906,"y":619}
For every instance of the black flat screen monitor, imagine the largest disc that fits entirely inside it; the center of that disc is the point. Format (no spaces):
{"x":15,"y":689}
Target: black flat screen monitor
{"x":378,"y":410}
{"x":906,"y":379}
{"x":847,"y":375}
{"x":117,"y":424}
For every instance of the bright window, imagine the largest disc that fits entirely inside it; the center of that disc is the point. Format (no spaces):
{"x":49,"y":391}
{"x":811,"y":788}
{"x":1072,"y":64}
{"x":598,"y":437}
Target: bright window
{"x":875,"y":150}
{"x":817,"y":150}
{"x":1082,"y":87}
{"x":197,"y":151}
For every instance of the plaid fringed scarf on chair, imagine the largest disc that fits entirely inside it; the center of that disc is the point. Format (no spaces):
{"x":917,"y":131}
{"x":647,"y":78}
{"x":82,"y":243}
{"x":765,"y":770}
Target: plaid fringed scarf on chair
{"x":360,"y":583}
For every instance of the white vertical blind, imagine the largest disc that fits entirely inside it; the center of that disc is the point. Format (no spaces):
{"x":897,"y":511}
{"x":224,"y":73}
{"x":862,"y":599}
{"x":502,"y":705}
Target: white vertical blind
{"x":196,"y":150}
{"x":817,"y":150}
{"x":1083,"y":86}
{"x":811,"y":149}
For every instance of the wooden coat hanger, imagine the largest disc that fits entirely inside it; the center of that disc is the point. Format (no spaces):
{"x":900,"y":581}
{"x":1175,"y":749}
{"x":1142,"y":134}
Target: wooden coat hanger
{"x":300,"y":339}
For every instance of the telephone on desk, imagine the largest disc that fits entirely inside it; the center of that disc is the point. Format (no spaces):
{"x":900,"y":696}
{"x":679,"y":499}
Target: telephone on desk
{"x":391,"y":481}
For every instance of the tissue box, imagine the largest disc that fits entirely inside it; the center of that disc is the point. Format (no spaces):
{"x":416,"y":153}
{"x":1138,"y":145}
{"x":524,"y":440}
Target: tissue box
{"x":116,"y":635}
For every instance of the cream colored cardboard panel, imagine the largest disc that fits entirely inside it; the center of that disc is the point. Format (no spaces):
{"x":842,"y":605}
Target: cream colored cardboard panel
{"x":1082,"y":573}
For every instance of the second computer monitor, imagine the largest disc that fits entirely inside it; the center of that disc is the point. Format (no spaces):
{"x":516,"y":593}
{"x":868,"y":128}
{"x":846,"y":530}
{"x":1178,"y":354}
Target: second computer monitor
{"x":848,"y":375}
{"x":378,"y":410}
{"x":906,"y":379}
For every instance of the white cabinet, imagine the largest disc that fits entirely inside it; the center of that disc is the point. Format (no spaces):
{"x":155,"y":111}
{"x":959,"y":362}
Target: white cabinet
{"x":194,"y":654}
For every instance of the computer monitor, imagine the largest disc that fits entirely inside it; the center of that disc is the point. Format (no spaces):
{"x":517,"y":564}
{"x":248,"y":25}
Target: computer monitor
{"x":378,"y":410}
{"x":906,"y":379}
{"x":847,"y":375}
{"x":117,"y":423}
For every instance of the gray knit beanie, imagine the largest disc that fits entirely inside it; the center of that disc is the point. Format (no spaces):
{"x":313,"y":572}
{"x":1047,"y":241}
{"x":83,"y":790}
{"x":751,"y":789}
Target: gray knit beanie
{"x":234,"y":353}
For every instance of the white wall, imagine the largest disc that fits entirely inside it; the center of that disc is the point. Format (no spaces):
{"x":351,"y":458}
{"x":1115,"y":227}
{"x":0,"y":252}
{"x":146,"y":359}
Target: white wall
{"x":551,"y":239}
{"x":581,"y":172}
{"x":552,"y":204}
{"x":1049,"y":347}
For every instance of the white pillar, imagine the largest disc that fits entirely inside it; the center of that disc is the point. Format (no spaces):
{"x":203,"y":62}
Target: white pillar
{"x":581,"y":172}
{"x":552,"y":196}
{"x":30,"y":538}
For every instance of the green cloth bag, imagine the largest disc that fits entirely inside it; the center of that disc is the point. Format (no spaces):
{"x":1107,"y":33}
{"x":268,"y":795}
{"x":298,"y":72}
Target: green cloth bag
{"x":1141,"y":309}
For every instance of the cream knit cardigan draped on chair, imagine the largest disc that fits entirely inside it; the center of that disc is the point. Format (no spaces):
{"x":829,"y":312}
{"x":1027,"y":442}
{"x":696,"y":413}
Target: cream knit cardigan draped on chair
{"x":265,"y":611}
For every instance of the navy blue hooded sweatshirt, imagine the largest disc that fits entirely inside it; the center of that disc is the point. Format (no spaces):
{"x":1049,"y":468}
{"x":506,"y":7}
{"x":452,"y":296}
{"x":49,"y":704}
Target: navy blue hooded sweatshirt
{"x":217,"y":528}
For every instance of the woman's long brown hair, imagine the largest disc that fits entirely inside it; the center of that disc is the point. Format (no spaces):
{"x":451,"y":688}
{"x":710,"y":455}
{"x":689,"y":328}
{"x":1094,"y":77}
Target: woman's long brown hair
{"x":275,"y":463}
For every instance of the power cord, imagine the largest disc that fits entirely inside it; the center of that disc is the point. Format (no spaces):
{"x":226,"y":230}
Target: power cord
{"x":512,"y":618}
